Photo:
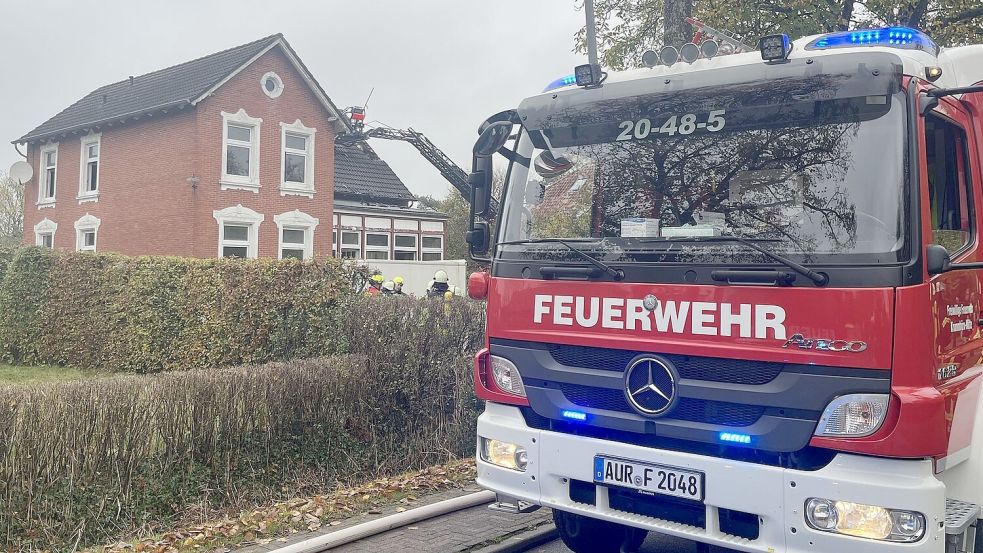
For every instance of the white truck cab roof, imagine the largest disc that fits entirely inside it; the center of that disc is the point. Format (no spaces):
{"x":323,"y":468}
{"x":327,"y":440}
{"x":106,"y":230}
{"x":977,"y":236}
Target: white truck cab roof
{"x":961,"y":66}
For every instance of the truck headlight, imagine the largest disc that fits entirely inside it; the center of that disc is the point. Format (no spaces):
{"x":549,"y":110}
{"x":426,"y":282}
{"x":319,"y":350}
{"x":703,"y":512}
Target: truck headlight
{"x":853,"y":416}
{"x":504,"y":454}
{"x":864,"y":521}
{"x":507,"y":376}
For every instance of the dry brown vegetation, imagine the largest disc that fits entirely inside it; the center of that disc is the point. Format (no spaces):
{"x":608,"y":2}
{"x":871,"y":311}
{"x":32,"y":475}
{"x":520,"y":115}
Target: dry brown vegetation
{"x":97,"y":461}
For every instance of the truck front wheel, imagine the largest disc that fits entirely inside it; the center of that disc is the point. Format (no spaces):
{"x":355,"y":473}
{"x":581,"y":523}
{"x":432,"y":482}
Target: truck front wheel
{"x":587,"y":535}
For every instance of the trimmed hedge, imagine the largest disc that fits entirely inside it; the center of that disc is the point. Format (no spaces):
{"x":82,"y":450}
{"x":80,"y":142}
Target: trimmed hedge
{"x":146,"y":314}
{"x":92,"y":461}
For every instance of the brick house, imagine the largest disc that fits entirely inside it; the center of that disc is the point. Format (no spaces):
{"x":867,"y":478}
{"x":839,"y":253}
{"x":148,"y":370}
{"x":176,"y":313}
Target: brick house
{"x":232,"y":154}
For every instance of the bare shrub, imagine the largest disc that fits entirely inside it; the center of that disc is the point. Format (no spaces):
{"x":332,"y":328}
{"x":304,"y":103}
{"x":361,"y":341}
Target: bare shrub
{"x":92,"y":461}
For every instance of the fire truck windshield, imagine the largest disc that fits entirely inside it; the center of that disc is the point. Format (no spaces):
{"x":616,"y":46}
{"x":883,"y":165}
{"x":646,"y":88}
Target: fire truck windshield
{"x":807,"y":164}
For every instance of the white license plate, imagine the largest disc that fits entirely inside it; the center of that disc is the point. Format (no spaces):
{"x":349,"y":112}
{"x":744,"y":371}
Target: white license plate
{"x":659,"y":479}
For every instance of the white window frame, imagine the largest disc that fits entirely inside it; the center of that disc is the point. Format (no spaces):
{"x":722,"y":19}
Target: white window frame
{"x":46,"y":227}
{"x":342,"y":246}
{"x":432,"y":226}
{"x":87,"y":223}
{"x":351,"y":221}
{"x":296,"y":220}
{"x":415,"y":250}
{"x":412,"y":225}
{"x":239,"y":215}
{"x":305,"y":188}
{"x":439,"y":250}
{"x":387,"y":248}
{"x":94,"y":139}
{"x":239,"y":182}
{"x":277,"y":90}
{"x":47,"y":201}
{"x":378,"y":223}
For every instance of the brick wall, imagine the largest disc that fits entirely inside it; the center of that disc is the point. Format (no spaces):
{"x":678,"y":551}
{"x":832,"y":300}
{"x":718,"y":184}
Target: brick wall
{"x":296,"y":102}
{"x":147,"y":204}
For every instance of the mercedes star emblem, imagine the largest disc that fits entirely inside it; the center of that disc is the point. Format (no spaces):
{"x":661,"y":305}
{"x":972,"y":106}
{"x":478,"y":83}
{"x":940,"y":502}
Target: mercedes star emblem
{"x":650,"y":386}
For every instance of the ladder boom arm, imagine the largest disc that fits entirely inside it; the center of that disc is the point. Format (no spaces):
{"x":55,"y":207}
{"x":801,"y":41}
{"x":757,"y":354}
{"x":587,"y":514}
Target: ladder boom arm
{"x":448,"y":169}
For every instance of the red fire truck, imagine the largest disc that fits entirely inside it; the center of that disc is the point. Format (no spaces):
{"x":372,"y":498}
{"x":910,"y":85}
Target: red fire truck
{"x":737,"y":299}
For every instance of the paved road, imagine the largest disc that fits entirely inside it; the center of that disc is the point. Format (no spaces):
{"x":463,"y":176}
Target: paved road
{"x":654,"y":544}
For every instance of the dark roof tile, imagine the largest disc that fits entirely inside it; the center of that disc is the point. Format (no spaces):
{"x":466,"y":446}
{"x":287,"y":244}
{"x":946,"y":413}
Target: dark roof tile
{"x":360,"y":173}
{"x":173,"y":86}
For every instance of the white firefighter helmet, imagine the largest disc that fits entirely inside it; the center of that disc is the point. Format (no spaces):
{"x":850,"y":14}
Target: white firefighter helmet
{"x":388,"y":286}
{"x":440,"y":276}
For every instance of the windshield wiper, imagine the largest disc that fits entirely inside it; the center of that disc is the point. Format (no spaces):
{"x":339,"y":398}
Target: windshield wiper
{"x":819,"y":278}
{"x":616,"y":274}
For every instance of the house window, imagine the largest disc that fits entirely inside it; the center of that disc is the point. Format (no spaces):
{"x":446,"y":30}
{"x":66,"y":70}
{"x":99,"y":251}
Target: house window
{"x":351,"y":245}
{"x":404,"y":247}
{"x":378,"y":223}
{"x":86,"y":233}
{"x":49,"y":174}
{"x":44,"y":233}
{"x":296,"y":230}
{"x":433,"y":248}
{"x":376,"y":245}
{"x":351,"y":221}
{"x":432,"y":226}
{"x":406,"y":224}
{"x":292,"y":243}
{"x":89,"y":168}
{"x":238,"y":232}
{"x":237,"y":152}
{"x":272,"y":84}
{"x":235,"y":241}
{"x":297,"y":159}
{"x":240,"y":151}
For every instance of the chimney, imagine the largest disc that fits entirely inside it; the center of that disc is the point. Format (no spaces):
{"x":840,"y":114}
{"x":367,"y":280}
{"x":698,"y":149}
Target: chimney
{"x":131,"y":80}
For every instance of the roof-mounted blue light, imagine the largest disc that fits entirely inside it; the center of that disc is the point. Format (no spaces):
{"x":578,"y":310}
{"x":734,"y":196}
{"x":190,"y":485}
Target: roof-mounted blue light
{"x":561,"y":82}
{"x":891,"y":37}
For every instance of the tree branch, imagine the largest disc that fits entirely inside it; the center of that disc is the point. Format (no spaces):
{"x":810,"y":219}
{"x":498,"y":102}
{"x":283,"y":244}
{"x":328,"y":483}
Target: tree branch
{"x":846,"y":15}
{"x":915,"y":19}
{"x":964,"y":15}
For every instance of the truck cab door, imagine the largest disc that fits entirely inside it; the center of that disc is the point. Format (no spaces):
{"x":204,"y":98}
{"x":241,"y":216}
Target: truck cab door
{"x":950,"y":172}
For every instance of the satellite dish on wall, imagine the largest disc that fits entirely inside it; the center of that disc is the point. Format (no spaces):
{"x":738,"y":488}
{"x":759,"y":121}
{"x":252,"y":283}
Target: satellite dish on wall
{"x":21,"y":171}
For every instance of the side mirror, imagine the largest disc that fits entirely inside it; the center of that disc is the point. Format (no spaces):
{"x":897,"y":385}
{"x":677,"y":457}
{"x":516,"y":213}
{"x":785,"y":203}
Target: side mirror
{"x":478,"y":238}
{"x":492,"y":138}
{"x":480,"y":181}
{"x":937,"y":259}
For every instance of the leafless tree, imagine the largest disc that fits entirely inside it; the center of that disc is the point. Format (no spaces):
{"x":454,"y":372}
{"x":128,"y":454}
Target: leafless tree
{"x":11,"y":211}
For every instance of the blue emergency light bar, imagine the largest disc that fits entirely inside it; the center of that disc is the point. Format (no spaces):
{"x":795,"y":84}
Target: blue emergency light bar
{"x":561,"y":82}
{"x":892,"y":37}
{"x":575,"y":415}
{"x":734,"y":438}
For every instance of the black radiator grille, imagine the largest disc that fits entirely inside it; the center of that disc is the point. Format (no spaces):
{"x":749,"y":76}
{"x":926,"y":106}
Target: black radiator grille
{"x":686,"y":409}
{"x":712,"y":369}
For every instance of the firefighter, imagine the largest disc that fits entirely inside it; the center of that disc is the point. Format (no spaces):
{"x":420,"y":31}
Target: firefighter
{"x":438,"y":285}
{"x":398,"y":286}
{"x":388,"y":288}
{"x":375,"y":285}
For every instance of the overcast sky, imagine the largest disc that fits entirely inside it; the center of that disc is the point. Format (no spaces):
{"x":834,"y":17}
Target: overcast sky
{"x":439,"y":66}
